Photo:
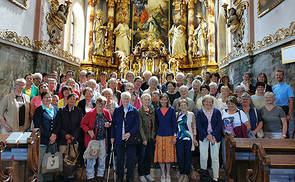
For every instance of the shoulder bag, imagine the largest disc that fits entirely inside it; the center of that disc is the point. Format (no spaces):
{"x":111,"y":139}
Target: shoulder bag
{"x":52,"y":162}
{"x":259,"y":133}
{"x":70,"y":162}
{"x":134,"y":139}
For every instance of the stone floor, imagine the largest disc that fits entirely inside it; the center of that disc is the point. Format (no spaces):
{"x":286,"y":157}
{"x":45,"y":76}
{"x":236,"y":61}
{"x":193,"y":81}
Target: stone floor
{"x":155,"y":173}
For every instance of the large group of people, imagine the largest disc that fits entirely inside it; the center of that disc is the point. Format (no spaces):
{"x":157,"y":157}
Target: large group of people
{"x":173,"y":118}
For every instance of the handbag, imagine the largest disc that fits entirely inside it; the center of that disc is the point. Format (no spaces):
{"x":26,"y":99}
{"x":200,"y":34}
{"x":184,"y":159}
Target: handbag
{"x":52,"y":161}
{"x":70,"y":162}
{"x":259,"y":133}
{"x":92,"y":150}
{"x":134,"y":139}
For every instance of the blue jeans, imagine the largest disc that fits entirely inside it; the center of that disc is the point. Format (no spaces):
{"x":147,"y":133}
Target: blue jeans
{"x":184,"y":156}
{"x":145,"y":158}
{"x":129,"y":151}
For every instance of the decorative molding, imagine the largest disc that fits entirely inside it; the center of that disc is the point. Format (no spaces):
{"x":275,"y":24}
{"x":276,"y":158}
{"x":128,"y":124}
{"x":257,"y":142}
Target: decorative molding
{"x":280,"y":34}
{"x":40,"y":45}
{"x":22,"y":5}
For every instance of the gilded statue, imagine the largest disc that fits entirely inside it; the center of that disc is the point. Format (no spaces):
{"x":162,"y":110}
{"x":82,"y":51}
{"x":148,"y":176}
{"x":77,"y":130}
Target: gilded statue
{"x":200,"y":37}
{"x":123,"y":35}
{"x":236,"y":23}
{"x":99,"y":34}
{"x":56,"y":19}
{"x":177,"y":40}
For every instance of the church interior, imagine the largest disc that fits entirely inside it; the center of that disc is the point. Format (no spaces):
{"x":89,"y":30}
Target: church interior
{"x":230,"y":37}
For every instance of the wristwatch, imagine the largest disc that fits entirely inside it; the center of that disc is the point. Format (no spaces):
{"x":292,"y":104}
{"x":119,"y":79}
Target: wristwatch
{"x":284,"y":136}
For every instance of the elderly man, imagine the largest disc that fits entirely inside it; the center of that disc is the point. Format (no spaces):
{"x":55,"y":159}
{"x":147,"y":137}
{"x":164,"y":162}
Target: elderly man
{"x":183,"y":95}
{"x":37,"y":79}
{"x":195,"y":93}
{"x":70,"y":74}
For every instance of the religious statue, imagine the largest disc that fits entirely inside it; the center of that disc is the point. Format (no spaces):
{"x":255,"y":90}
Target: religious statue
{"x":236,"y":22}
{"x":56,"y":19}
{"x":176,"y":36}
{"x":123,"y":35}
{"x":200,"y":37}
{"x":99,"y":34}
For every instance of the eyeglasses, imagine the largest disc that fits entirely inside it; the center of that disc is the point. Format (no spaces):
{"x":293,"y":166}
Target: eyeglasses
{"x":101,"y":104}
{"x":47,"y":97}
{"x":126,"y":98}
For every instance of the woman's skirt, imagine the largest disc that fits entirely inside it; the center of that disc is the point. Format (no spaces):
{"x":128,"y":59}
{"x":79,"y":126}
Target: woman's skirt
{"x":165,"y":150}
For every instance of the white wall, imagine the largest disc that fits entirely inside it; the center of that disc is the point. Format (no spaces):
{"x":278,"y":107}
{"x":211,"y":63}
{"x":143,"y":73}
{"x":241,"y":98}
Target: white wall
{"x":279,"y":17}
{"x":17,"y":19}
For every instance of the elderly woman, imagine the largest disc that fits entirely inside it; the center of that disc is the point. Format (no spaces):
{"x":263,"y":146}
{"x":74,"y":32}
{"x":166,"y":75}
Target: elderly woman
{"x":195,"y":93}
{"x":171,"y":92}
{"x":70,"y":82}
{"x":30,"y":89}
{"x":155,"y":100}
{"x":153,"y":83}
{"x":111,"y":104}
{"x":179,"y":80}
{"x":130,"y":78}
{"x":147,"y":129}
{"x":137,"y":84}
{"x":70,"y":118}
{"x":37,"y":79}
{"x":239,"y":90}
{"x":254,"y":116}
{"x":275,"y":122}
{"x":225,"y":91}
{"x":88,"y":103}
{"x":189,"y":78}
{"x":46,"y":119}
{"x":186,"y":139}
{"x":95,"y":89}
{"x":234,"y":120}
{"x":209,"y":125}
{"x":165,"y":152}
{"x":14,"y":109}
{"x":37,"y":101}
{"x":147,"y":75}
{"x":124,"y":124}
{"x":258,"y":99}
{"x":95,"y":124}
{"x":214,"y":89}
{"x":65,"y":91}
{"x":134,"y":101}
{"x":112,"y":84}
{"x":225,"y":82}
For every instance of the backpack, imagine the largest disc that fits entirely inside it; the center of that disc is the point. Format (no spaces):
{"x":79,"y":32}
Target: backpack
{"x":92,"y":150}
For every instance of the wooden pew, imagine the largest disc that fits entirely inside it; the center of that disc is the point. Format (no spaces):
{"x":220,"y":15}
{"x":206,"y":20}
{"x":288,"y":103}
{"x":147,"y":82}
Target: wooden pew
{"x":15,"y":171}
{"x":264,"y":163}
{"x":239,"y":156}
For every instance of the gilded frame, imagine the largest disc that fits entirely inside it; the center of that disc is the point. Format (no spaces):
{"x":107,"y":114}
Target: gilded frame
{"x":288,"y":55}
{"x":265,"y":6}
{"x":20,"y":3}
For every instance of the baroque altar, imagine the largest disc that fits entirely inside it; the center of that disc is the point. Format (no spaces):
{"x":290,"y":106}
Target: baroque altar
{"x":159,"y":36}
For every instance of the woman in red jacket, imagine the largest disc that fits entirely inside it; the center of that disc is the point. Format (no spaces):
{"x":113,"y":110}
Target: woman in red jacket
{"x":95,"y":124}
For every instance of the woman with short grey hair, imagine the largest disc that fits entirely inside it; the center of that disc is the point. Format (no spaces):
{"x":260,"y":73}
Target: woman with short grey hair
{"x":275,"y":121}
{"x":15,"y":109}
{"x":134,"y":100}
{"x":153,"y":83}
{"x":189,"y":78}
{"x":110,"y":104}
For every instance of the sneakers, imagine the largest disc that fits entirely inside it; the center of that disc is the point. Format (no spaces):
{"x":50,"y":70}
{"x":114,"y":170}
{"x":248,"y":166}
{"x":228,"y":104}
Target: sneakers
{"x":163,"y":179}
{"x":142,"y":178}
{"x":149,"y":178}
{"x":168,"y":178}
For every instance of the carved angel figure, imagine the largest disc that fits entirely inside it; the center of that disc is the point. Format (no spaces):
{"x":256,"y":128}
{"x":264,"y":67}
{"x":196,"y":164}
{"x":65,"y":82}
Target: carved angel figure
{"x":99,"y":34}
{"x":56,"y":20}
{"x":236,"y":23}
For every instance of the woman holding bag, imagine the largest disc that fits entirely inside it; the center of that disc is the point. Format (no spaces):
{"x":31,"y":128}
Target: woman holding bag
{"x":46,"y":119}
{"x":69,"y":128}
{"x":95,"y":124}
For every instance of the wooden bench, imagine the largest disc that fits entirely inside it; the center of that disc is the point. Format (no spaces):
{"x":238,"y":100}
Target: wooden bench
{"x":15,"y":170}
{"x":270,"y":167}
{"x":239,"y":156}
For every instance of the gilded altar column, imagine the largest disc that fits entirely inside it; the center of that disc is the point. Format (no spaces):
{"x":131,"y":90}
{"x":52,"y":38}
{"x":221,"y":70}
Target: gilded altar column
{"x":111,"y":21}
{"x":190,"y":29}
{"x":211,"y":32}
{"x":89,"y":29}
